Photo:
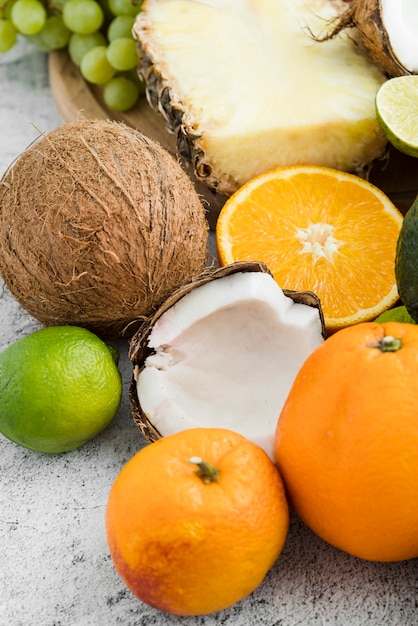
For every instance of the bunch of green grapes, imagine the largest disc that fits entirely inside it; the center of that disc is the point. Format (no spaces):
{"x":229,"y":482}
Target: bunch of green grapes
{"x":97,"y":34}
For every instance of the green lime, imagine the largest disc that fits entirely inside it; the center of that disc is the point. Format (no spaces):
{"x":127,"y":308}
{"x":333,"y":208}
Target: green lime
{"x":59,"y":387}
{"x":397,"y":112}
{"x":397,"y":314}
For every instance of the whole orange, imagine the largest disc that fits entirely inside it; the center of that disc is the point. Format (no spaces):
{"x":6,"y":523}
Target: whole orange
{"x":195,"y":520}
{"x":346,"y":441}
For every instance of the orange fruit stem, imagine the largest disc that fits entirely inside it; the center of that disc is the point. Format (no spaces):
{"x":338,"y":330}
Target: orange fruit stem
{"x":390,"y":344}
{"x":206,"y":471}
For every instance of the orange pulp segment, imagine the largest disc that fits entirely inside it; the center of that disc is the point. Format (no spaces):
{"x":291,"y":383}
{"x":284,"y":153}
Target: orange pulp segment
{"x":321,"y":230}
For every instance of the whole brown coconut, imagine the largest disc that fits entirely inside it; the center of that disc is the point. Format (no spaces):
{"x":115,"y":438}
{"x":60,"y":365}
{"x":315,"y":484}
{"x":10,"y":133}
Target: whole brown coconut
{"x":98,"y":225}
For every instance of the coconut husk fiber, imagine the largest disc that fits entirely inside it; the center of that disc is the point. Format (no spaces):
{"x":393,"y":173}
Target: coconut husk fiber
{"x":98,"y":225}
{"x":365,"y":16}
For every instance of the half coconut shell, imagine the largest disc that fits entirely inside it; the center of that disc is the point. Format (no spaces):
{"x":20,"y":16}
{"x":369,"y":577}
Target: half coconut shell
{"x":139,"y":349}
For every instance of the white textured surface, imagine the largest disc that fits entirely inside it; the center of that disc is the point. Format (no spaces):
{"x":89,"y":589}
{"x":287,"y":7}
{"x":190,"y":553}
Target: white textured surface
{"x":55,"y":568}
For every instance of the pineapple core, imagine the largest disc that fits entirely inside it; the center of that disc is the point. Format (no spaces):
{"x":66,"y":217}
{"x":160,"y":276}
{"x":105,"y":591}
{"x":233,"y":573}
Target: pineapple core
{"x":257,"y":90}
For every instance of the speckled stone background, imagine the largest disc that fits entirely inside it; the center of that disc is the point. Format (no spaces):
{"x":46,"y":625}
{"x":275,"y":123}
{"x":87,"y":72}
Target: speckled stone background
{"x":55,"y":568}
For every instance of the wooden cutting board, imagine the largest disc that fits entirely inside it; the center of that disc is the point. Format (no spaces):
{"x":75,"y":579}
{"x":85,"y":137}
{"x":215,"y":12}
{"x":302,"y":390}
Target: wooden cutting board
{"x":75,"y":99}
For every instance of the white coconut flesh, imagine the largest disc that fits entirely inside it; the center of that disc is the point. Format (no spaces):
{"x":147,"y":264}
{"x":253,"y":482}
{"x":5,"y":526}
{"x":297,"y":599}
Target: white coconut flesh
{"x":226,"y":355}
{"x":400,"y":20}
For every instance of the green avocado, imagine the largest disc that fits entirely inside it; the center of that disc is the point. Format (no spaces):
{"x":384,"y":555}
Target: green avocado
{"x":406,"y":261}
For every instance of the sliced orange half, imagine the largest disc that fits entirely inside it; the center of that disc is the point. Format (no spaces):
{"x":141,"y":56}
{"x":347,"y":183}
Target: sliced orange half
{"x":321,"y":230}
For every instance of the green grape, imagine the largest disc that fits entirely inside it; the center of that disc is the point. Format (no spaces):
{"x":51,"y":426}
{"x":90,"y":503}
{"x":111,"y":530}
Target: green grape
{"x":122,"y":54}
{"x":120,"y":26}
{"x":125,"y":7}
{"x":120,"y":93}
{"x":82,"y":16}
{"x":55,"y":35}
{"x":80,"y":44}
{"x":28,"y":16}
{"x":8,"y":35}
{"x":95,"y":67}
{"x":6,"y":8}
{"x":98,"y":36}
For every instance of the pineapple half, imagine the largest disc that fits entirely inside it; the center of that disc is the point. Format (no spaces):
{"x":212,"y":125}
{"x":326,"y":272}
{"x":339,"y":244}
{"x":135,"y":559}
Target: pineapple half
{"x":248,"y":86}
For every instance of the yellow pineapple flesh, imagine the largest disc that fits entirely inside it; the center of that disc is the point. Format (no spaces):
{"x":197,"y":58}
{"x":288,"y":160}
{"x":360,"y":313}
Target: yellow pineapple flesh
{"x":248,"y":86}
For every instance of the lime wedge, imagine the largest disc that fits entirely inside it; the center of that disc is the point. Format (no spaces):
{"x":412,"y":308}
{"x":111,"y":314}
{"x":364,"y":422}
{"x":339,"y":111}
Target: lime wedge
{"x":397,"y":112}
